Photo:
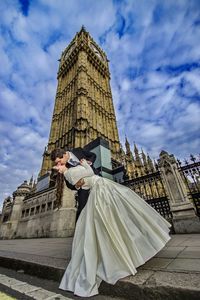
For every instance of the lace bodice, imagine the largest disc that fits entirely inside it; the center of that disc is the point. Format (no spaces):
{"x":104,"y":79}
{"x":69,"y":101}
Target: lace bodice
{"x":74,"y":174}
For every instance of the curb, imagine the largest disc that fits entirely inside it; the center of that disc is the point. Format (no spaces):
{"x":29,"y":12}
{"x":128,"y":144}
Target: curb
{"x":131,"y":291}
{"x":31,"y":268}
{"x":145,"y":285}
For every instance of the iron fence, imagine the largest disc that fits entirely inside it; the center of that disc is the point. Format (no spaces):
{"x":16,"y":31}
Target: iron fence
{"x":190,"y":172}
{"x":150,"y":187}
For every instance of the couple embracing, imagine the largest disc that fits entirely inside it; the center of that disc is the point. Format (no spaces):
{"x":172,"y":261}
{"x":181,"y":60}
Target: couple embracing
{"x":116,"y":232}
{"x":63,"y":160}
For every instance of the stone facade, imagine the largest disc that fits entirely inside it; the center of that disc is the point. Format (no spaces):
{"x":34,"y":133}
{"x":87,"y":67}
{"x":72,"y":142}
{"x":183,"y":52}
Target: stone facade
{"x":36,"y":215}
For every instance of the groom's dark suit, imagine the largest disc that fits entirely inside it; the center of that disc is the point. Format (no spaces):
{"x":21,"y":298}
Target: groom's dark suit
{"x":82,"y":194}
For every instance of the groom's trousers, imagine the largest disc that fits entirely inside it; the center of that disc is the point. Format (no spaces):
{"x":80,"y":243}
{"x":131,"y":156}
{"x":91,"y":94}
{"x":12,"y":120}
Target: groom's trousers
{"x":82,"y":200}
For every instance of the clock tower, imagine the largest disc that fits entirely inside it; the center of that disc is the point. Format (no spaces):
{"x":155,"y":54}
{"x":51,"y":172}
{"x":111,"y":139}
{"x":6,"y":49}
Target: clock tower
{"x":83,"y":107}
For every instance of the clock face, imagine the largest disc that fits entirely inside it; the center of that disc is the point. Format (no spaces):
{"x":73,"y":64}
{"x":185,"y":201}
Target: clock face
{"x":69,"y":51}
{"x":96,"y":51}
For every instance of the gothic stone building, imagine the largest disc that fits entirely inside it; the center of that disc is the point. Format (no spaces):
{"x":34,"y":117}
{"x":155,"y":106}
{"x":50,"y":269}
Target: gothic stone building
{"x":84,"y":115}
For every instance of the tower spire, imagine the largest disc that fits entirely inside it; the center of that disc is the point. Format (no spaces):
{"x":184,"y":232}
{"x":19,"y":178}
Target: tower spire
{"x":150,"y":163}
{"x":127,"y":145}
{"x":137,"y":156}
{"x":136,"y":150}
{"x":144,"y":158}
{"x":31,"y":181}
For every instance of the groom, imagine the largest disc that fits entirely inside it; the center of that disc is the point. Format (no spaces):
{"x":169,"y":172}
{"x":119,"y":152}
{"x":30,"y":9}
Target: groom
{"x":66,"y":159}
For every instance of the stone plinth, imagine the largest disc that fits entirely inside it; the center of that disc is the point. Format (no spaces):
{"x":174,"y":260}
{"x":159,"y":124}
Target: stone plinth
{"x":182,"y":208}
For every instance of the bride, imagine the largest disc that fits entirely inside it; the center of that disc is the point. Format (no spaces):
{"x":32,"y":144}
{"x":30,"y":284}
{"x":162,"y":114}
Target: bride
{"x":116,"y":232}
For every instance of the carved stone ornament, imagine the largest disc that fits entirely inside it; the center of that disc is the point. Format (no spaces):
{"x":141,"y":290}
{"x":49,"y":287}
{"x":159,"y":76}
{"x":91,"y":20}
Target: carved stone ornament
{"x":166,"y":160}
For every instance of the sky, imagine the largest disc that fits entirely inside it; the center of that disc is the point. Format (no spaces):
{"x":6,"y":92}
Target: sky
{"x":154,"y":52}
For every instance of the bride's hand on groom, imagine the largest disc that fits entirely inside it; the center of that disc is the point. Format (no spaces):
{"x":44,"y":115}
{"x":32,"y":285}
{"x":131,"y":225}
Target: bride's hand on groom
{"x":80,"y":183}
{"x":83,"y":160}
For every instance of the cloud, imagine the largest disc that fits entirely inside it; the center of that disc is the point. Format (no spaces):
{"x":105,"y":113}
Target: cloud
{"x":154,"y":64}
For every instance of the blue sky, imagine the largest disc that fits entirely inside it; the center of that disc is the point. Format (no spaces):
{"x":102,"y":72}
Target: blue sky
{"x":154,"y":52}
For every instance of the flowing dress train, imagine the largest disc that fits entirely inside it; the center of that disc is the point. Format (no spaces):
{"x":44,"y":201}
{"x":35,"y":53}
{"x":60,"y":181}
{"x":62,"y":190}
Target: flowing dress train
{"x":116,"y":232}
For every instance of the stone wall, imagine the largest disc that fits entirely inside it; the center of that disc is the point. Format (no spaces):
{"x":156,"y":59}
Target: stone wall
{"x":38,"y":217}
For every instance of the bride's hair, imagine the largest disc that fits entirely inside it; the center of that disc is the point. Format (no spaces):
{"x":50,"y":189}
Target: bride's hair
{"x":59,"y":190}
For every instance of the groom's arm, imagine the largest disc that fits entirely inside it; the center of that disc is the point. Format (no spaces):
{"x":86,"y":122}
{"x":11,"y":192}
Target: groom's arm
{"x":69,"y":185}
{"x":82,"y":153}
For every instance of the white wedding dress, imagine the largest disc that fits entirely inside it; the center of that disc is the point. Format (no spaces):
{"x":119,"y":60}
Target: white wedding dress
{"x":117,"y":231}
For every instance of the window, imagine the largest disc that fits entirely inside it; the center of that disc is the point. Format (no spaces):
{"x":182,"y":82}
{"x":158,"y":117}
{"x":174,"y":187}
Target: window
{"x":49,"y":205}
{"x":43,"y":207}
{"x":37,"y":209}
{"x":27,"y":212}
{"x":32,"y":211}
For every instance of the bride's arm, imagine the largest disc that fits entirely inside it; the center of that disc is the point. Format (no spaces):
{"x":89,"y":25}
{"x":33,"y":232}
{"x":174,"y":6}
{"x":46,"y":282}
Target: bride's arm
{"x":88,"y":169}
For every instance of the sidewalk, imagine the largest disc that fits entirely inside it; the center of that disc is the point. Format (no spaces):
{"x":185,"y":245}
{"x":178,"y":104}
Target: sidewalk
{"x":174,"y":273}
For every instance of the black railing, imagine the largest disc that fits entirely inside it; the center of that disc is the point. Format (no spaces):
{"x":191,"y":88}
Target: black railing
{"x":196,"y":200}
{"x":191,"y":175}
{"x":150,"y":187}
{"x":161,"y":205}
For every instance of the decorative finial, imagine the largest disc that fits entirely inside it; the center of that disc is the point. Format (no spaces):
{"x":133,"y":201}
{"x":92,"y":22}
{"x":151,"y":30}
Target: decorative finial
{"x":136,"y":149}
{"x":83,"y":28}
{"x":31,"y":181}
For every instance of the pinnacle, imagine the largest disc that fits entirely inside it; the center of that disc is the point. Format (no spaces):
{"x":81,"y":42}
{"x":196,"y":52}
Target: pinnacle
{"x":83,"y":28}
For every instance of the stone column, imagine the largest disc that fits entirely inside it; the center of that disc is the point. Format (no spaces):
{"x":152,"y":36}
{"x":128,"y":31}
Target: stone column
{"x":5,"y":224}
{"x":63,"y":223}
{"x":18,"y":197}
{"x":182,"y":208}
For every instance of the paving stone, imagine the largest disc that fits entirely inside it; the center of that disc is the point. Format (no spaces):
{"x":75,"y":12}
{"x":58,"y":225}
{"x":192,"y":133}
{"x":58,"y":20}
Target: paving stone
{"x":140,"y":278}
{"x":191,"y":242}
{"x":157,"y":263}
{"x":190,"y":252}
{"x":185,"y":264}
{"x":170,"y":252}
{"x":58,"y":297}
{"x":178,"y":280}
{"x":45,"y":260}
{"x":9,"y":281}
{"x":178,"y":239}
{"x":25,"y":288}
{"x":40,"y":294}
